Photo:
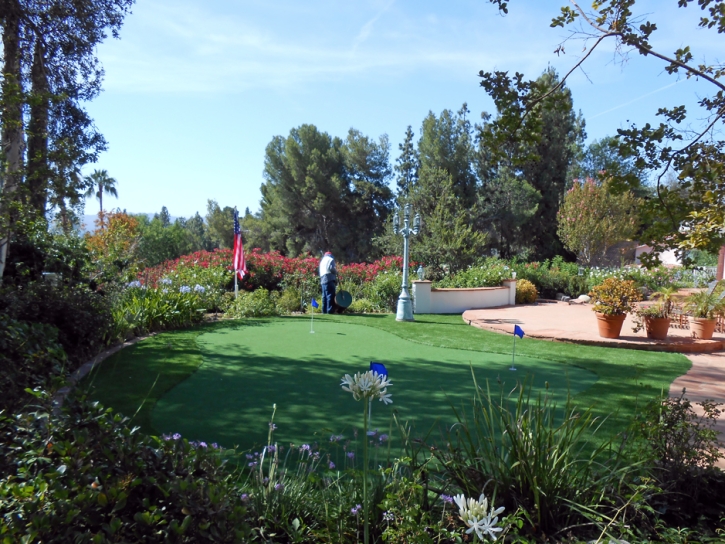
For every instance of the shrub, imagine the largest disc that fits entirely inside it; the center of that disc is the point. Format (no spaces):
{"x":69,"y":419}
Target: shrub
{"x":615,"y":297}
{"x":259,"y":303}
{"x":384,"y":290}
{"x":86,"y":476}
{"x":289,"y":301}
{"x":682,"y":449}
{"x":29,"y":356}
{"x":82,"y":317}
{"x":138,"y":310}
{"x":489,"y":274}
{"x":534,"y":456}
{"x":525,"y":292}
{"x":362,"y":306}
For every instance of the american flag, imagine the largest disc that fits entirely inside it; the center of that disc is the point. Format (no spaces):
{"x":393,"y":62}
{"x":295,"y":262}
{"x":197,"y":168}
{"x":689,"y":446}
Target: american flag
{"x":240,"y":267}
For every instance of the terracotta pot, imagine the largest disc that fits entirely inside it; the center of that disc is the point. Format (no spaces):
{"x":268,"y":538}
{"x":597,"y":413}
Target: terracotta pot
{"x":610,"y":325}
{"x":702,"y":328}
{"x":657,"y":327}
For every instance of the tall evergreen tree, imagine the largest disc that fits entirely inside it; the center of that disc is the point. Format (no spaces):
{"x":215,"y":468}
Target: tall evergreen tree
{"x":323,"y":193}
{"x":446,"y":142}
{"x":538,"y":148}
{"x":407,"y":165}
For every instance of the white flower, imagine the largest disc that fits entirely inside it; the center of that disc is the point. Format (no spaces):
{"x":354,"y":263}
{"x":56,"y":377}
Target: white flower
{"x":474,"y":513}
{"x":367,"y":385}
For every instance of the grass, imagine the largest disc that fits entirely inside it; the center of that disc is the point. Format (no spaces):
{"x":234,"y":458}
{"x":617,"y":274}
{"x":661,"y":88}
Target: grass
{"x":251,"y":364}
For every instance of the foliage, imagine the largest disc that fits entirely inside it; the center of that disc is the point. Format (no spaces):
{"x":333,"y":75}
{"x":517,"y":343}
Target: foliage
{"x":98,"y":183}
{"x":537,"y":148}
{"x":138,"y":310}
{"x":683,"y":449}
{"x":592,"y":219}
{"x":220,"y":225}
{"x":490,"y":273}
{"x":258,"y":303}
{"x":447,"y":238}
{"x":526,"y":292}
{"x":86,"y":476}
{"x":325,"y":194}
{"x":29,"y":356}
{"x":161,"y":242}
{"x":362,"y":306}
{"x":82,"y":317}
{"x":113,"y":248}
{"x":509,"y":204}
{"x":290,"y":300}
{"x":529,"y":455}
{"x":384,"y":290}
{"x":706,"y":304}
{"x":615,"y":297}
{"x":695,"y":154}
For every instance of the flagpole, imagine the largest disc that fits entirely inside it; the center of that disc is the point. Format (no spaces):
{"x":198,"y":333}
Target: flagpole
{"x":236,"y":287}
{"x":513,"y":355}
{"x":312,"y":319}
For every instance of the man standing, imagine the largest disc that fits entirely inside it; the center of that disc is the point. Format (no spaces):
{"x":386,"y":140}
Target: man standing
{"x":328,"y":279}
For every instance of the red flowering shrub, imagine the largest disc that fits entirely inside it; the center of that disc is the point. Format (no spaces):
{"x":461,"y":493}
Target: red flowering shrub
{"x":272,"y":271}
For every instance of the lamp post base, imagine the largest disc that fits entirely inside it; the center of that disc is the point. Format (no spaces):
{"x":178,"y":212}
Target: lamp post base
{"x":405,"y":310}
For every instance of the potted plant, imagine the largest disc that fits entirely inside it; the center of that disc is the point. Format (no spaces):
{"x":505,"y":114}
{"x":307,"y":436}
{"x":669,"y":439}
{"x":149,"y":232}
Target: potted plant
{"x":704,"y":307}
{"x":613,"y":300}
{"x":656,"y":319}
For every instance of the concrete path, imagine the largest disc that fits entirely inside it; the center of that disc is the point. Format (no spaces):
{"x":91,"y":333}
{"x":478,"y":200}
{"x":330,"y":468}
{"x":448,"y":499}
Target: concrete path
{"x":576,"y":323}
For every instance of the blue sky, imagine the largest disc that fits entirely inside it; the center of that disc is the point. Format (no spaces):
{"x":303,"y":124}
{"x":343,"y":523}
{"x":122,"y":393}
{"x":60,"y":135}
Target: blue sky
{"x":196,"y":89}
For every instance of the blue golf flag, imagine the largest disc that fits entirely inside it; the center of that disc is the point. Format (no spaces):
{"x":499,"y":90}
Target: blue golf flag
{"x":518,"y":331}
{"x":314,"y":304}
{"x":379,"y":368}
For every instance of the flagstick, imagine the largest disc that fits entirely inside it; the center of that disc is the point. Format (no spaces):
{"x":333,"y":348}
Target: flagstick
{"x":513,"y":355}
{"x":312,"y":319}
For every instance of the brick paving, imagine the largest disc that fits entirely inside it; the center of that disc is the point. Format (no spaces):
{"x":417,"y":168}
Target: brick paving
{"x":576,"y":323}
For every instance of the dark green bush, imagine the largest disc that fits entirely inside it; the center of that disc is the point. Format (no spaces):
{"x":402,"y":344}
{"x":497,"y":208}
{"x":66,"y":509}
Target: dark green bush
{"x":29,"y":356}
{"x":82,"y":317}
{"x":86,"y":476}
{"x":258,"y":303}
{"x":681,"y":448}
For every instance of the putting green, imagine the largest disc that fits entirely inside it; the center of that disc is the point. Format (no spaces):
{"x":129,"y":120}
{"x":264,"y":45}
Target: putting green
{"x":246,"y":369}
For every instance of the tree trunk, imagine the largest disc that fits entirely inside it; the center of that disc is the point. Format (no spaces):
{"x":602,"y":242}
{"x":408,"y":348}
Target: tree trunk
{"x":38,"y":171}
{"x":12,"y":137}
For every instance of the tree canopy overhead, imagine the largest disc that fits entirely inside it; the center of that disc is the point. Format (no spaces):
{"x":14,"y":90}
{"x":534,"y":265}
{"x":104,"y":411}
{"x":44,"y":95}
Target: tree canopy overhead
{"x":690,"y":214}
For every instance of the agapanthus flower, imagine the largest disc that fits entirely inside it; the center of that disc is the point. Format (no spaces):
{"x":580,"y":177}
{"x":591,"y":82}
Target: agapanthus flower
{"x":331,"y":465}
{"x":367,"y":385}
{"x":278,"y":487}
{"x":199,"y":288}
{"x":477,"y":517}
{"x":134,"y":284}
{"x":356,"y":510}
{"x":184,"y":289}
{"x":165,"y":281}
{"x":351,"y":455}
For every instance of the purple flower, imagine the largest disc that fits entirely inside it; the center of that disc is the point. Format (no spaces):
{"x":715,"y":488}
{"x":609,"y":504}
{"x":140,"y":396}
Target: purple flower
{"x":184,"y":289}
{"x":165,"y":437}
{"x":336,"y":438}
{"x":331,"y":465}
{"x":305,"y":447}
{"x":388,"y":516}
{"x":202,"y":444}
{"x":176,"y":436}
{"x":351,"y":455}
{"x":265,"y":481}
{"x":253,"y":464}
{"x":245,"y":497}
{"x":199,"y":289}
{"x":165,"y":281}
{"x":134,"y":284}
{"x":270,"y":449}
{"x":278,"y":487}
{"x":383,"y":438}
{"x":316,"y":455}
{"x":373,"y":433}
{"x":249,"y":456}
{"x":272,"y":426}
{"x":355,"y":511}
{"x":215,"y":445}
{"x":447,"y":498}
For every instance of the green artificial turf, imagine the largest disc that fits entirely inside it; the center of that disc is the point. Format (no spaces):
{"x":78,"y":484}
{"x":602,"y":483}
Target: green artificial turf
{"x":249,"y":365}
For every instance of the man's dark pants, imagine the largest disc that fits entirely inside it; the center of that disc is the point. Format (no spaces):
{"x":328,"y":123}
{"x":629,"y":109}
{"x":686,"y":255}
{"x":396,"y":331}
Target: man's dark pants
{"x":328,"y":296}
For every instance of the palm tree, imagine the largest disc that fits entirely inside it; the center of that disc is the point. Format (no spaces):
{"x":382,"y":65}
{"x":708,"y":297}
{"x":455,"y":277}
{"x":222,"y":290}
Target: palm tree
{"x":98,"y":182}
